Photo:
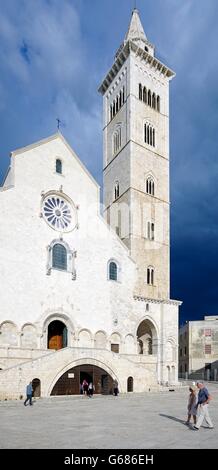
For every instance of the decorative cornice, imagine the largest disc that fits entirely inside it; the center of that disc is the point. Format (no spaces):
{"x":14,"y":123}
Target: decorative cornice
{"x":154,"y":63}
{"x":157,"y":301}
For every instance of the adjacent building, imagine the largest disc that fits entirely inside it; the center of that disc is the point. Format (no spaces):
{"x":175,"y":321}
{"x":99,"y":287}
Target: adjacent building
{"x":198,"y":349}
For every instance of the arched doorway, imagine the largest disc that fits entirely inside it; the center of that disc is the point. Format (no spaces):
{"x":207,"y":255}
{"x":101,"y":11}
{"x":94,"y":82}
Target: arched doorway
{"x":130,"y":384}
{"x":57,"y":335}
{"x":70,"y":382}
{"x":36,"y":384}
{"x":147,"y":338}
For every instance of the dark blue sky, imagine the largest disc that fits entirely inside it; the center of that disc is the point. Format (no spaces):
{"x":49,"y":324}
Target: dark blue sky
{"x":53,"y":56}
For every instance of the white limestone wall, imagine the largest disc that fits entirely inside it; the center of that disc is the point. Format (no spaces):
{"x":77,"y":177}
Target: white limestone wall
{"x":28,"y":295}
{"x":49,"y":368}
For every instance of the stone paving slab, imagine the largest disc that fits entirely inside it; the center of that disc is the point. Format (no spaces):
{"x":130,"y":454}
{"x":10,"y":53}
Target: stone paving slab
{"x":130,"y":421}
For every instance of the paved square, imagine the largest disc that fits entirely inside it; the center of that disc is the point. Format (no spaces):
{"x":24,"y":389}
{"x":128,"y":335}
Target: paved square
{"x":133,"y":421}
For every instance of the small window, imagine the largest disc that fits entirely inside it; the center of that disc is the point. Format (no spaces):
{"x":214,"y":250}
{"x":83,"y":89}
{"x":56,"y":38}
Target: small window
{"x":140,"y":91}
{"x":207,"y":332}
{"x":59,"y":257}
{"x":150,"y":186}
{"x":59,"y":166}
{"x":116,"y":190}
{"x":113,"y":271}
{"x":150,"y":276}
{"x":207,"y":349}
{"x":158,"y":103}
{"x":115,"y":348}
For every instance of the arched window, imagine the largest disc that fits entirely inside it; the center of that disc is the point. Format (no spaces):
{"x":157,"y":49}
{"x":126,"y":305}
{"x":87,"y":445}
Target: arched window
{"x":149,"y":135}
{"x":150,"y":186}
{"x":152,"y":231}
{"x":123,"y":94}
{"x":117,"y":139}
{"x":154,"y":101}
{"x":59,"y":257}
{"x":117,"y":104}
{"x":111,"y":111}
{"x":120,"y":99}
{"x":116,"y":190}
{"x":150,"y":276}
{"x":149,"y":97}
{"x":145,"y":95}
{"x":114,"y":108}
{"x":140,"y":91}
{"x":113,"y":271}
{"x":158,"y":103}
{"x":58,"y":166}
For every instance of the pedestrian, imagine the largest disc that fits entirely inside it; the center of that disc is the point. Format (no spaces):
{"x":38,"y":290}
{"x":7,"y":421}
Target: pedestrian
{"x":203,"y":401}
{"x":29,"y":394}
{"x":116,"y":390}
{"x":90,"y":390}
{"x":85,"y":387}
{"x":192,"y":402}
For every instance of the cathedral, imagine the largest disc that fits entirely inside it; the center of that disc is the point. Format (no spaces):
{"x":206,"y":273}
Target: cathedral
{"x":85,"y":295}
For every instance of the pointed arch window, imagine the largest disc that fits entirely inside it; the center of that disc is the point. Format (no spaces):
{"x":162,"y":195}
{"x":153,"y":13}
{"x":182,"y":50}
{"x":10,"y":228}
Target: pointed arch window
{"x":58,"y":166}
{"x":145,"y":95}
{"x":149,"y":134}
{"x":117,"y":139}
{"x":150,"y":186}
{"x":140,"y":91}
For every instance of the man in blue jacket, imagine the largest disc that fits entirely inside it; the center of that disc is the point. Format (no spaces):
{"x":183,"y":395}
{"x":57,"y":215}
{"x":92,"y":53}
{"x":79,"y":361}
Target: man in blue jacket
{"x":203,"y":400}
{"x":29,"y":394}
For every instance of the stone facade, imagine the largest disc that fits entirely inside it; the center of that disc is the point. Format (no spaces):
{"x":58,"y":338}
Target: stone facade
{"x":198,"y":349}
{"x":73,"y":290}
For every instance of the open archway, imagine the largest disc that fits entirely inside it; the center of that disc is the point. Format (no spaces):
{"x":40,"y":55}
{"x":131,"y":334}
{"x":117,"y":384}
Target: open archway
{"x":71,"y":381}
{"x":147,"y":338}
{"x":57,"y":335}
{"x":36,"y":384}
{"x":130,"y":384}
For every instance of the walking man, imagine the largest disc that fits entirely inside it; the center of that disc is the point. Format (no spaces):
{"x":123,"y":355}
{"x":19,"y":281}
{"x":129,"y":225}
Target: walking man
{"x":29,"y":393}
{"x":203,"y":400}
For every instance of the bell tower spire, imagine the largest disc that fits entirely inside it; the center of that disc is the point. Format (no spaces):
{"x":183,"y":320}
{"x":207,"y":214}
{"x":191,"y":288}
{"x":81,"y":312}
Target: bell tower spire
{"x":135,"y":31}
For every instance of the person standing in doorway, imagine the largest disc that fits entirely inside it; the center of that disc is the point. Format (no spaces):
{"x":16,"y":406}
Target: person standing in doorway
{"x":90,"y":390}
{"x":29,"y":394}
{"x":203,"y":400}
{"x":116,"y":390}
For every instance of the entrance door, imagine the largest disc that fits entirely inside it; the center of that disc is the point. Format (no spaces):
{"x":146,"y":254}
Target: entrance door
{"x":36,"y":388}
{"x":70,"y":382}
{"x":57,"y":335}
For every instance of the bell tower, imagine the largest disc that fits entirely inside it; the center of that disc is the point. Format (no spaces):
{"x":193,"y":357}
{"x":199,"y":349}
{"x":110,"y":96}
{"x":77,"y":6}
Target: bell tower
{"x":136,"y":157}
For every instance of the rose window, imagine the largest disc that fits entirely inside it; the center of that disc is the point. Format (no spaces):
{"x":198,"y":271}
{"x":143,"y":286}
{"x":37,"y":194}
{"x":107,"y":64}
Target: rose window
{"x":58,"y":213}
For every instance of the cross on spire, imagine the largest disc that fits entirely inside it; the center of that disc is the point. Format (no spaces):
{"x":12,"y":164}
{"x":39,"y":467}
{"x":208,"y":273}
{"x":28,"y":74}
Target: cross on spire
{"x":58,"y":123}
